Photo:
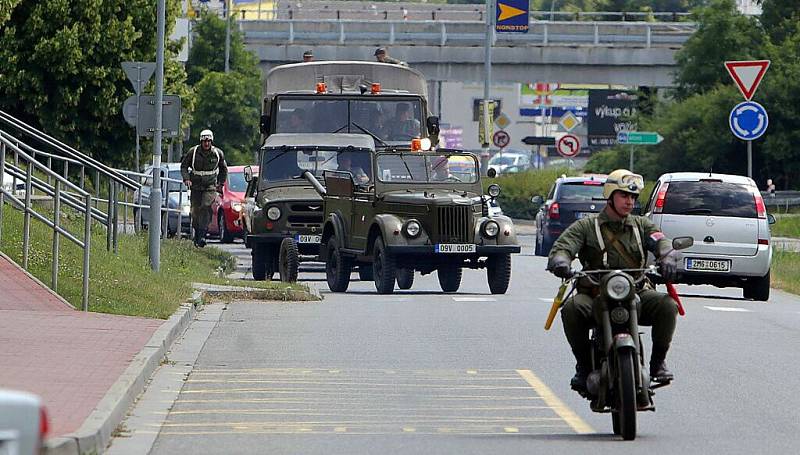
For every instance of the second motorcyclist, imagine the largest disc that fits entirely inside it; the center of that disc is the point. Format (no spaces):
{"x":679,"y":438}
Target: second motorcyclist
{"x":615,"y":239}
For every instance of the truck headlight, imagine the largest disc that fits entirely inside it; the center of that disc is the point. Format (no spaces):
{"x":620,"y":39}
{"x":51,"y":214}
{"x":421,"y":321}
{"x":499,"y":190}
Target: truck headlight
{"x":618,"y":287}
{"x":412,"y":228}
{"x":490,"y":229}
{"x":274,"y":213}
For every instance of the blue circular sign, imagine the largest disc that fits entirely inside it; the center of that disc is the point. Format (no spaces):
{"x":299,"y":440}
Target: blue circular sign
{"x":748,"y":120}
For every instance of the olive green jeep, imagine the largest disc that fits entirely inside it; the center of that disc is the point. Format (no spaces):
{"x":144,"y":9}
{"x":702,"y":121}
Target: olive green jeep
{"x":422,"y":211}
{"x":285,"y":223}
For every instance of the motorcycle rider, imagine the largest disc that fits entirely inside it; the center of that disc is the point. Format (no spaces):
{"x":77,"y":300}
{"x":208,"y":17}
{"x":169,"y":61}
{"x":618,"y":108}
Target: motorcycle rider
{"x":203,"y":170}
{"x":615,"y":239}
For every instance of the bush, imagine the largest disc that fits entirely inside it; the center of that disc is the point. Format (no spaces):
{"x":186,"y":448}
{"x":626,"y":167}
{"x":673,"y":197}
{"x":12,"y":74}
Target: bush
{"x":517,"y":190}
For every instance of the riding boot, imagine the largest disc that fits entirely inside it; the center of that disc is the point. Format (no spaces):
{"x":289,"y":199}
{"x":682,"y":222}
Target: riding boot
{"x":199,"y":238}
{"x":582,"y":369}
{"x":658,"y":365}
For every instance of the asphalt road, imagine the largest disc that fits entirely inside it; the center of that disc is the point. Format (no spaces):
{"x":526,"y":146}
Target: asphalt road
{"x":420,"y":371}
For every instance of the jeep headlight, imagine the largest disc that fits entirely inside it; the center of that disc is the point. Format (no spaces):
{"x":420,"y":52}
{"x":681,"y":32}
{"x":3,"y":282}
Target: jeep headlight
{"x":618,"y":287}
{"x":237,"y":207}
{"x":490,"y":229}
{"x":493,"y":190}
{"x":273,"y":213}
{"x":412,"y":228}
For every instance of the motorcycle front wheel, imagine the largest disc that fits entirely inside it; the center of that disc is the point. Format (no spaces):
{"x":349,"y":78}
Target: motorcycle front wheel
{"x":626,"y":395}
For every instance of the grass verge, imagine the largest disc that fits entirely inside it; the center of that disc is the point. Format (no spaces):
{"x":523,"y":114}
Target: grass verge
{"x":786,"y":226}
{"x":124,"y":283}
{"x":786,"y":271}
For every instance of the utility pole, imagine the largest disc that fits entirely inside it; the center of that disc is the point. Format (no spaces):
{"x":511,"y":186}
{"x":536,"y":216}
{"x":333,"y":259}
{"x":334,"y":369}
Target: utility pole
{"x":155,"y":189}
{"x":227,"y":35}
{"x":487,"y":81}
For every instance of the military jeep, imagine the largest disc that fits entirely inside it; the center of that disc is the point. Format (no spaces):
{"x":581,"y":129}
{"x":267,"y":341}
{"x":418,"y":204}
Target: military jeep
{"x":425,"y":212}
{"x":285,"y":223}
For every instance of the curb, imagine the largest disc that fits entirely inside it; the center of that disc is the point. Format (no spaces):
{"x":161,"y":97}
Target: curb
{"x":96,"y":432}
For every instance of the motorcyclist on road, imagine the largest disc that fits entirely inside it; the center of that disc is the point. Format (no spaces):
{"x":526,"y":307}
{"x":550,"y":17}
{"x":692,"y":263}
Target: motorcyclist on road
{"x":615,"y":239}
{"x":203,"y":170}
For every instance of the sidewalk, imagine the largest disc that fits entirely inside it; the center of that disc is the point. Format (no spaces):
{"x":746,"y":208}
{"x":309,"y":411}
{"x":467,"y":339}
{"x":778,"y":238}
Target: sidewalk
{"x":87,"y":367}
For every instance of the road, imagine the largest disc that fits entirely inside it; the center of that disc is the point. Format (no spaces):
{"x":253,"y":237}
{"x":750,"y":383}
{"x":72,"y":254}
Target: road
{"x":420,"y":371}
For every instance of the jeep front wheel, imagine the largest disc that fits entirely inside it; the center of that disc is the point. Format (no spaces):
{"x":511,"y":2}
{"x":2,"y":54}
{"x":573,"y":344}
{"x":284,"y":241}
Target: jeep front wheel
{"x":498,"y":272}
{"x":383,"y":268}
{"x":260,"y":260}
{"x":288,"y":260}
{"x":337,"y":267}
{"x":405,"y":278}
{"x":449,"y":278}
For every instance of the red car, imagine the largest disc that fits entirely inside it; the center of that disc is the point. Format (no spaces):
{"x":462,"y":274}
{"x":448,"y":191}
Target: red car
{"x":229,"y":207}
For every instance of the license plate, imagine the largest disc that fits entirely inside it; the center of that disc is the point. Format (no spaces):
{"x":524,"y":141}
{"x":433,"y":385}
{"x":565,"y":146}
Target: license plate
{"x":308,"y":238}
{"x":455,"y":248}
{"x":708,"y":265}
{"x":579,"y":215}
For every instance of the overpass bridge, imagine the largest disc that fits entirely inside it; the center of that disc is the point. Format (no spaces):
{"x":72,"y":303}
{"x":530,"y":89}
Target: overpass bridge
{"x":632,"y":53}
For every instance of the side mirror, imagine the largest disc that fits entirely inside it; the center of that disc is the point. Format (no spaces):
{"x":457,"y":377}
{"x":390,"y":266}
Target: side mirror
{"x":491,"y":173}
{"x":263,"y":125}
{"x":248,"y":174}
{"x":681,"y":243}
{"x":771,"y":218}
{"x":432,"y":123}
{"x":538,"y":200}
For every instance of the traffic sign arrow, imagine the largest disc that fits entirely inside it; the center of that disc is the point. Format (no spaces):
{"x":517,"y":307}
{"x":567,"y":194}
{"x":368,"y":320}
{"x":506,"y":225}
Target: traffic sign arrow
{"x":508,"y":11}
{"x":747,"y":75}
{"x":639,"y":138}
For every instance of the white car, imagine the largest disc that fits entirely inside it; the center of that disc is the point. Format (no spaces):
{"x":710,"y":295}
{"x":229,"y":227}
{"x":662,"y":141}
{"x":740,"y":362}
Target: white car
{"x":16,"y":188}
{"x":728,"y":220}
{"x":23,"y":423}
{"x":509,"y":162}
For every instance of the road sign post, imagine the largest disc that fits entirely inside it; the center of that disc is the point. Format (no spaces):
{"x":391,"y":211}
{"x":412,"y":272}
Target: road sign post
{"x":138,"y":73}
{"x":748,"y":120}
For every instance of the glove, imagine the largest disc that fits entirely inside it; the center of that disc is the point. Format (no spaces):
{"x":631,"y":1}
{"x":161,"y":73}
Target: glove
{"x":668,"y":265}
{"x":559,"y":265}
{"x":219,"y":189}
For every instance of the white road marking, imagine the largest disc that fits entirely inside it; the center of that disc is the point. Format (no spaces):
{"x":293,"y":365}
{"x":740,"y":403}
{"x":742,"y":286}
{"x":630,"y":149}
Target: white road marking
{"x":729,"y":309}
{"x":474,"y":299}
{"x":544,"y":299}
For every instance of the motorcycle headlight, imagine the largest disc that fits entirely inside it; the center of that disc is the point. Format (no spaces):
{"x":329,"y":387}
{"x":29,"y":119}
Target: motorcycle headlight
{"x":412,"y":228}
{"x":490,"y":229}
{"x":273,"y":213}
{"x":237,"y":206}
{"x":618,"y":287}
{"x":619,"y":315}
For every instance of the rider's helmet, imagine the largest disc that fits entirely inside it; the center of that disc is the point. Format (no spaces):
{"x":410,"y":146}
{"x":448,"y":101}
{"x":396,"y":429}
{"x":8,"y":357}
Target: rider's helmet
{"x":623,"y":180}
{"x":207,"y":134}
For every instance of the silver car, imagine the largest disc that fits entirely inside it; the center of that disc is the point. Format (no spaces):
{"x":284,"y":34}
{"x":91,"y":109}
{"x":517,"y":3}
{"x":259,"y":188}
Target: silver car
{"x":23,"y":423}
{"x":727,"y":218}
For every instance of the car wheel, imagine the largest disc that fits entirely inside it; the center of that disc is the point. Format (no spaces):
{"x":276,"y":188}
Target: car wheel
{"x":449,"y":278}
{"x":365,"y":272}
{"x":757,"y":289}
{"x":288,"y":260}
{"x":259,"y":266}
{"x":383,"y":268}
{"x":405,"y":278}
{"x":498,"y":272}
{"x":337,"y":267}
{"x":224,"y":235}
{"x":537,"y":249}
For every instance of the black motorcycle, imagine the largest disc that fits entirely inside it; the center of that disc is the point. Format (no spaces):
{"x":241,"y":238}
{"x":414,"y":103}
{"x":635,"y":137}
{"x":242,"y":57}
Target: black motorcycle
{"x":619,"y":382}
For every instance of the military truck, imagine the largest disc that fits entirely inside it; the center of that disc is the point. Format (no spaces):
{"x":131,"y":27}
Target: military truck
{"x":285,"y":223}
{"x":386,"y":101}
{"x":416,"y":214}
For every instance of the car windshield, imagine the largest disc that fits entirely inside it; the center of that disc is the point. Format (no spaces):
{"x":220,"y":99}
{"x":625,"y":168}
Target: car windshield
{"x":503,"y":160}
{"x":581,"y":191}
{"x":236,"y":182}
{"x":427,"y":168}
{"x":289,"y":164}
{"x":710,"y":198}
{"x":392,"y":120}
{"x":176,"y":186}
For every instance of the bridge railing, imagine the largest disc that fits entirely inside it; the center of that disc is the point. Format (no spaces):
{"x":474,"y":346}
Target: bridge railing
{"x":443,"y":33}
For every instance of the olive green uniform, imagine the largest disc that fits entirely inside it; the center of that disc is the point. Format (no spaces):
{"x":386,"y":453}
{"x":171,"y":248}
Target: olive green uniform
{"x":206,"y":169}
{"x":580,"y":239}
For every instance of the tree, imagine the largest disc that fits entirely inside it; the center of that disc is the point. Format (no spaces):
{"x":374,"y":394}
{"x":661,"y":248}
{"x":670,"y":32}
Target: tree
{"x":208,"y":50}
{"x":67,"y":79}
{"x":5,"y":9}
{"x":780,"y":18}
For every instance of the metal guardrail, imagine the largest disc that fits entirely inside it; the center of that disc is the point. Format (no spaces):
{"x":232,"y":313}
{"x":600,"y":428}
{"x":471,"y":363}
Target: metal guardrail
{"x":781,"y":201}
{"x":443,"y":33}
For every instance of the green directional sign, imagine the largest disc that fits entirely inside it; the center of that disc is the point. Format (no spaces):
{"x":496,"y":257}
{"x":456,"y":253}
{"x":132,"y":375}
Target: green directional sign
{"x":639,"y":138}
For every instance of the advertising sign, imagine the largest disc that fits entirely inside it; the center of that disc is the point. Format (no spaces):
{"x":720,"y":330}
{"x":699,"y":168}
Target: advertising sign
{"x":610,"y":112}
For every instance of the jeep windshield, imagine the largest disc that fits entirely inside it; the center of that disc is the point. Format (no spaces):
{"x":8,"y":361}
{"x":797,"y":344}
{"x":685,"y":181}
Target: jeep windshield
{"x":394,"y":120}
{"x":426,"y":168}
{"x":288,"y":163}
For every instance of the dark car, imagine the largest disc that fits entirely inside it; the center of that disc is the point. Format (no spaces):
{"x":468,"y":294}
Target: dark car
{"x":569,"y":199}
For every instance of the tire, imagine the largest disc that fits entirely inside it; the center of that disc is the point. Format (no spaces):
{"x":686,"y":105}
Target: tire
{"x":259,"y":255}
{"x":405,"y":278}
{"x":537,"y":250}
{"x":383,"y":268}
{"x":498,"y":272}
{"x":337,"y":267}
{"x":224,"y":235}
{"x":449,"y":278}
{"x":757,"y":289}
{"x":615,"y":422}
{"x":626,"y":395}
{"x":288,"y":260}
{"x":365,"y":272}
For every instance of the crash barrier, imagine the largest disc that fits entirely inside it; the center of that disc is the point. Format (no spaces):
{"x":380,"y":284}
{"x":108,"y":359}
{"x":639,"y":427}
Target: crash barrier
{"x":443,"y":33}
{"x":781,"y":201}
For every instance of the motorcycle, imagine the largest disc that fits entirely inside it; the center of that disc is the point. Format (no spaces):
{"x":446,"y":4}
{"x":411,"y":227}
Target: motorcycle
{"x":619,"y":383}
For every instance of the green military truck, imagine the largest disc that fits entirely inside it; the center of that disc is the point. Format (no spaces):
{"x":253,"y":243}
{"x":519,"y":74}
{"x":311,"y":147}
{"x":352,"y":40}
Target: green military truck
{"x":285,"y":222}
{"x":420,"y":211}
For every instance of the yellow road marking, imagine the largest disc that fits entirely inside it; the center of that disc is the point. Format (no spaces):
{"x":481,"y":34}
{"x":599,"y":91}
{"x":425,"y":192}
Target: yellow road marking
{"x":409,"y":430}
{"x":511,"y":429}
{"x":478,"y":422}
{"x":555,"y":403}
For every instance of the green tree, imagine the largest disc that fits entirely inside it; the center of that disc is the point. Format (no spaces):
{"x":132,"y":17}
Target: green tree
{"x":207,"y":53}
{"x":5,"y":9}
{"x":66,"y":76}
{"x":780,"y":18}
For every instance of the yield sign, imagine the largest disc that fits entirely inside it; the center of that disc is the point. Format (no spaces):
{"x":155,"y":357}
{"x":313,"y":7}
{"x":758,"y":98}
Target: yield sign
{"x":747,"y":75}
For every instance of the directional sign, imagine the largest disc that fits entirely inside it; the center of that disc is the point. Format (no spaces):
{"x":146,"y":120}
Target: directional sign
{"x":501,"y":139}
{"x":568,"y":145}
{"x":568,"y":121}
{"x":502,"y":121}
{"x":747,"y":75}
{"x":170,"y":115}
{"x":639,"y":138}
{"x":139,"y":73}
{"x":748,"y":120}
{"x":512,"y":16}
{"x":539,"y":140}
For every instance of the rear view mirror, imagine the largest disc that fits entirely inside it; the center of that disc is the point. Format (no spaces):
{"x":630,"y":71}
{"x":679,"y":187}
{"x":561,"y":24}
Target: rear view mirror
{"x":771,"y":218}
{"x":248,"y":174}
{"x":263,"y":125}
{"x":538,"y":200}
{"x":681,"y":243}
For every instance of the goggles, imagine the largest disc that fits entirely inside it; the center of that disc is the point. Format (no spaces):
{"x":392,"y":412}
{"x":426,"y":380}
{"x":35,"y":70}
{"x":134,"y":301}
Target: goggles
{"x":633,"y":182}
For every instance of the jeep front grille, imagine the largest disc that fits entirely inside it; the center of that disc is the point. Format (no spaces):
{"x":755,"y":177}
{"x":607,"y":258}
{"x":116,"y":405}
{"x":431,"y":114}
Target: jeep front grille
{"x":455,"y":223}
{"x":305,"y":215}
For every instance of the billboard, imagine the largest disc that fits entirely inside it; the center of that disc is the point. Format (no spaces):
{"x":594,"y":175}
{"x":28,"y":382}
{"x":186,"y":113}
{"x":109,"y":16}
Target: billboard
{"x":533,"y":103}
{"x":610,"y":112}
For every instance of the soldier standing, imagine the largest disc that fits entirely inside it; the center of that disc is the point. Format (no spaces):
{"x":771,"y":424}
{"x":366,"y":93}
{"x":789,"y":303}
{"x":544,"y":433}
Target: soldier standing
{"x":383,"y":57}
{"x":204,"y":171}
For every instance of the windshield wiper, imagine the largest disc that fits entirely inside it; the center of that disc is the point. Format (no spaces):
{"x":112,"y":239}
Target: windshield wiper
{"x":374,"y":136}
{"x":695,"y":210}
{"x":280,"y":154}
{"x":341,"y":128}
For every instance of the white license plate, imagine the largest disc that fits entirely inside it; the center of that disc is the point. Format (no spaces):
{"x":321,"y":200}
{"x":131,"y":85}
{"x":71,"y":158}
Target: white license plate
{"x":579,"y":215}
{"x":708,"y":265}
{"x":455,"y":248}
{"x":308,"y":238}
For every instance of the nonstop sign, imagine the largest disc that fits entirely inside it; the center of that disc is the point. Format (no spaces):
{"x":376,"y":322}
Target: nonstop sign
{"x":511,"y":16}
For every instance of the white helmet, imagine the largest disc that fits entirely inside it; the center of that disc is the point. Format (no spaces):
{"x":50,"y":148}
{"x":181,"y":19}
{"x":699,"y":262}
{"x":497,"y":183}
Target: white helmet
{"x":206,"y":134}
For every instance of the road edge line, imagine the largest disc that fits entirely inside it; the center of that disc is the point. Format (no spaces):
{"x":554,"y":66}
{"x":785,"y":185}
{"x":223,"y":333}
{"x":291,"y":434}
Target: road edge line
{"x":555,"y":403}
